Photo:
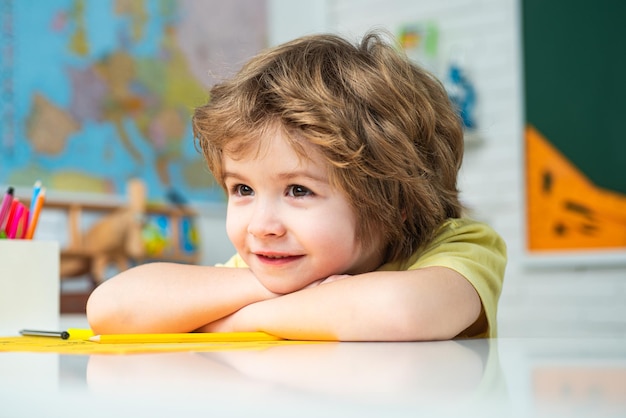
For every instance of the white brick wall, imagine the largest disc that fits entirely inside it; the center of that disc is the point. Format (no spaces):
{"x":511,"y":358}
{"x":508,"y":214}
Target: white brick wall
{"x":585,"y":300}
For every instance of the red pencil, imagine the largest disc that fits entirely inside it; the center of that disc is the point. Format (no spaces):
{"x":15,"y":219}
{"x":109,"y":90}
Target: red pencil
{"x":15,"y":221}
{"x":11,"y":215}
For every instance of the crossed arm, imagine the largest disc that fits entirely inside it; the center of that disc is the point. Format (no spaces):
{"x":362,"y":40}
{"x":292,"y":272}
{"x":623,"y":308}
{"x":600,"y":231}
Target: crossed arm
{"x":432,"y":303}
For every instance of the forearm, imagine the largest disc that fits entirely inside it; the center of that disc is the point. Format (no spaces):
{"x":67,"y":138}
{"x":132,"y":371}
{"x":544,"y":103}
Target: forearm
{"x":433,"y":304}
{"x":163,"y":297}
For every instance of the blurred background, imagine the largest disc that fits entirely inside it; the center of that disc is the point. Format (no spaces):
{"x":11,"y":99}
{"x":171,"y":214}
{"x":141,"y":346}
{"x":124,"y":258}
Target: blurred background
{"x":95,"y":93}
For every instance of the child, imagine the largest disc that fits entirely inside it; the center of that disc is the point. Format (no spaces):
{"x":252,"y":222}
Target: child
{"x":340,"y":162}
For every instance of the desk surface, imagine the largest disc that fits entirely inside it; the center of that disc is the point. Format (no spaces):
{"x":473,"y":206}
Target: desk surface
{"x":482,"y":378}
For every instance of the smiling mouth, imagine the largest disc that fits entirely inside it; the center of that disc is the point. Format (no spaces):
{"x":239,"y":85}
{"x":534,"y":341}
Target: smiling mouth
{"x":274,"y":258}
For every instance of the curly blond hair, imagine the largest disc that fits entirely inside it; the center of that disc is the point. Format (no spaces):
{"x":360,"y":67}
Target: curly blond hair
{"x":392,"y":140}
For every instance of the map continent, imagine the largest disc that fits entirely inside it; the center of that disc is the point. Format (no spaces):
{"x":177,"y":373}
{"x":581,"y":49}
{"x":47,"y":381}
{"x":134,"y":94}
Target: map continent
{"x":96,"y":92}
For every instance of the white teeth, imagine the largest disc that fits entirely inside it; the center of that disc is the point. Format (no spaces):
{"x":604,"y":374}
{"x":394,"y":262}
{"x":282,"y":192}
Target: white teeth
{"x":275,"y":256}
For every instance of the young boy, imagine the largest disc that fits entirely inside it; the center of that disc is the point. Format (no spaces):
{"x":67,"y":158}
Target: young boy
{"x":340,"y":162}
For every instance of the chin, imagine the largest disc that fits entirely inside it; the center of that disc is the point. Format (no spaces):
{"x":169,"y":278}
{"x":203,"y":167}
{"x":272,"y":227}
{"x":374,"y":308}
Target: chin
{"x":281,"y":285}
{"x":280,"y":289}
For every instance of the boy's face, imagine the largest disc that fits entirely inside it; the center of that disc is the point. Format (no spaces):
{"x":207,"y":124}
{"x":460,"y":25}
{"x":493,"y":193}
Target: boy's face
{"x":287,"y":222}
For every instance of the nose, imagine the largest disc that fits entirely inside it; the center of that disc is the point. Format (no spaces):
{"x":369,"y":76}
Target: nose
{"x":265,"y":220}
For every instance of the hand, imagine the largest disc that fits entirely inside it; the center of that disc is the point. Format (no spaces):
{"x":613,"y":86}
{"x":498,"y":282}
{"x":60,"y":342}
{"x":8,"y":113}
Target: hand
{"x":329,"y":279}
{"x":336,"y":277}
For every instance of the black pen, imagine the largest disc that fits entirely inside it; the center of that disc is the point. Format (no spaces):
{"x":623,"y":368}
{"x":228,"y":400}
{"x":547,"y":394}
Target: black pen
{"x":37,"y":333}
{"x":70,"y":334}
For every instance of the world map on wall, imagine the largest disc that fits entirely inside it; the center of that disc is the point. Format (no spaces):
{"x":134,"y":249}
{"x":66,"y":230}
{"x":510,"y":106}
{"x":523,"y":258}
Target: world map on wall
{"x":95,"y":92}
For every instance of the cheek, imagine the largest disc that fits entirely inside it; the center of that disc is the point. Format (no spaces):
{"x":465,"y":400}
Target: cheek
{"x":234,"y":227}
{"x":335,"y":237}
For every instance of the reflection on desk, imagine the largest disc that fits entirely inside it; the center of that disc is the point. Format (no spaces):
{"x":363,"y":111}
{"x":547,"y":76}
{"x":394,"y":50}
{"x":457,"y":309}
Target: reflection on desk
{"x":485,"y":378}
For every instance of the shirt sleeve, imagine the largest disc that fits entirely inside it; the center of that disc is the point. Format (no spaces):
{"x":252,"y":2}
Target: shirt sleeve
{"x":235,"y":261}
{"x":478,"y":253}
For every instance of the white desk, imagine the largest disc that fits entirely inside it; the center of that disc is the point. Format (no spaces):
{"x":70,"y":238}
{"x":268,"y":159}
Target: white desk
{"x":481,"y":378}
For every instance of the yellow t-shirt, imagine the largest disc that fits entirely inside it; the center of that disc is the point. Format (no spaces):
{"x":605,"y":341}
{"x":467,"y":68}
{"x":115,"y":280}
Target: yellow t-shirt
{"x":471,"y":248}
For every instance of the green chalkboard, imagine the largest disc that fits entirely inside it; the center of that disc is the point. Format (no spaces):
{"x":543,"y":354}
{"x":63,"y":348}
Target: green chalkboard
{"x":574,"y":54}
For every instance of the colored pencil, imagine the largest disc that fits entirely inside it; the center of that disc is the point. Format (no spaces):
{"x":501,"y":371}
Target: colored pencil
{"x":33,"y":200}
{"x":15,"y":220}
{"x":5,"y":206}
{"x":183,"y":337}
{"x":34,"y":216}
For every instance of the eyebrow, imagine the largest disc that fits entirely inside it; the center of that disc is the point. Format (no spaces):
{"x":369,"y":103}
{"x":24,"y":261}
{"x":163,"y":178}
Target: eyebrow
{"x":302,"y":173}
{"x":285,"y":176}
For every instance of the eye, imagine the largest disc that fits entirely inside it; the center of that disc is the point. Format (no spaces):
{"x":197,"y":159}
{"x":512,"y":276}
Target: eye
{"x":295,"y":190}
{"x":242,"y":190}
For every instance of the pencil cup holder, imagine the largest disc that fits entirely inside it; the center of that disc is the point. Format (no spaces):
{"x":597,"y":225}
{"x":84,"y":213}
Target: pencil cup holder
{"x":29,"y":285}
